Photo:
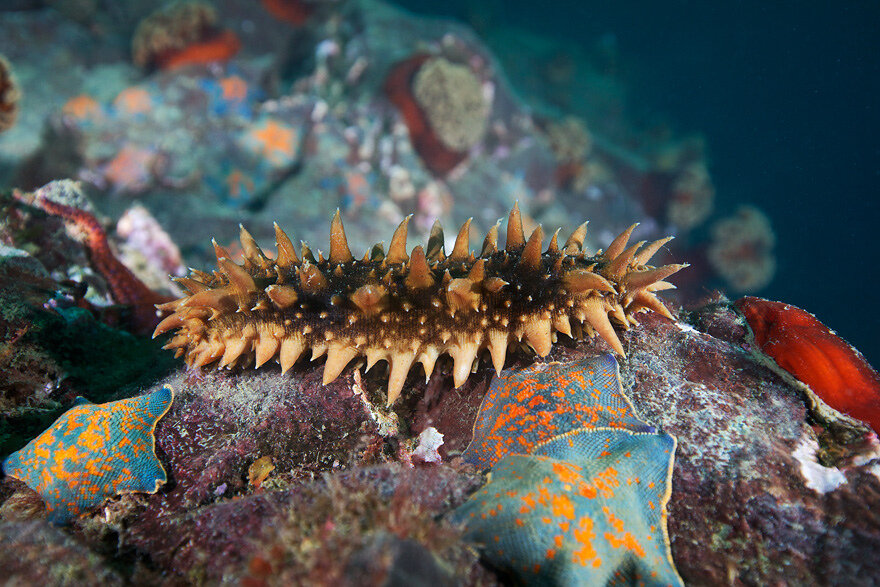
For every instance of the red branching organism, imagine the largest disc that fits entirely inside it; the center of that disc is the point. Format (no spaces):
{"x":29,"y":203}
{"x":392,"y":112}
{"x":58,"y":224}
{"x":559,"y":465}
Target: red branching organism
{"x":125,"y":287}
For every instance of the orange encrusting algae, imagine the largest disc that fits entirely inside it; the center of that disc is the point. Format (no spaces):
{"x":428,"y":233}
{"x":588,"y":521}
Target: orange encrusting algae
{"x":816,"y":356}
{"x":273,"y":141}
{"x":133,"y":100}
{"x":411,"y":308}
{"x":234,"y":88}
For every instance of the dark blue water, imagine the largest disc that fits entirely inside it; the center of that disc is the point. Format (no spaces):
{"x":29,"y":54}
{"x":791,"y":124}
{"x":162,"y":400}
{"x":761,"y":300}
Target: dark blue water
{"x":786,"y":95}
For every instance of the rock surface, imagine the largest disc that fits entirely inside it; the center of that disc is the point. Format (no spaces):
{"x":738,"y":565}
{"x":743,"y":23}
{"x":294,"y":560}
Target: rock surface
{"x":742,"y":510}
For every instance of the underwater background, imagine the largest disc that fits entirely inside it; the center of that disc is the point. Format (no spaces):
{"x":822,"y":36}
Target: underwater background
{"x":196,"y":389}
{"x":785,"y":95}
{"x":763,"y":115}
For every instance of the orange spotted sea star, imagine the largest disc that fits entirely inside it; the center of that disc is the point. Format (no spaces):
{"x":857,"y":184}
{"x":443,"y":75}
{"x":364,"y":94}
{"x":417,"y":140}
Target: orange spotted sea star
{"x":94,"y":451}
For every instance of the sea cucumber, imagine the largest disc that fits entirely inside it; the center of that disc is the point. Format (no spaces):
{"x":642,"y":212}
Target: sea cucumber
{"x":411,"y":308}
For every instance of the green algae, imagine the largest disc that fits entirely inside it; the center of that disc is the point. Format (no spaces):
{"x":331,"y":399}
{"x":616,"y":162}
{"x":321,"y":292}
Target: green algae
{"x":96,"y":360}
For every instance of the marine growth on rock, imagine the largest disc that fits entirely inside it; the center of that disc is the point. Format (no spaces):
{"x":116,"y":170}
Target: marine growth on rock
{"x":182,"y":33}
{"x":125,"y":287}
{"x":452,"y":98}
{"x":412,"y":308}
{"x":443,"y":106}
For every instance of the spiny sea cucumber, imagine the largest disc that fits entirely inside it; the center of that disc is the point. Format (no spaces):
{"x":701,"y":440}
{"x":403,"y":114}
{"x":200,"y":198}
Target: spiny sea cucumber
{"x":411,"y":308}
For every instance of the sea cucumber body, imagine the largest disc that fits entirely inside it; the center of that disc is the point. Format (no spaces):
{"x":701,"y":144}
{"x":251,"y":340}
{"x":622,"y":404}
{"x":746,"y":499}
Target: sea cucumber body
{"x":407,"y":308}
